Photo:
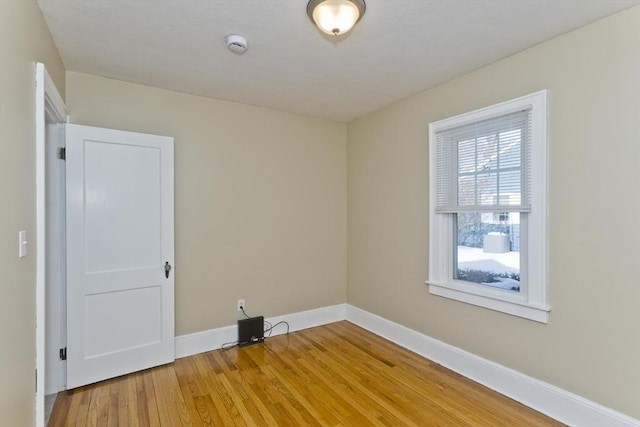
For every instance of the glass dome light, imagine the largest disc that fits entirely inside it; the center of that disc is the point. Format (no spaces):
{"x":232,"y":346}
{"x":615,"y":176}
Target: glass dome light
{"x":335,"y":17}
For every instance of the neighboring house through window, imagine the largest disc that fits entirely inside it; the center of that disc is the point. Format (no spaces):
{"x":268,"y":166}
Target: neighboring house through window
{"x":487,"y":223}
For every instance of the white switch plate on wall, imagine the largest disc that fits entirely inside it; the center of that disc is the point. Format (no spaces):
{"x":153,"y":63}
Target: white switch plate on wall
{"x":22,"y":244}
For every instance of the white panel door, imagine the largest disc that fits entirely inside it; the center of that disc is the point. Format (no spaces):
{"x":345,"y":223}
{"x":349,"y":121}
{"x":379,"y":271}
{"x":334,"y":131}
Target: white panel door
{"x":120,"y":298}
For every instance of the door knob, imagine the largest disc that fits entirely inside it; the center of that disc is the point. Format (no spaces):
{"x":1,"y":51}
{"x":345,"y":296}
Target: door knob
{"x":167,"y":269}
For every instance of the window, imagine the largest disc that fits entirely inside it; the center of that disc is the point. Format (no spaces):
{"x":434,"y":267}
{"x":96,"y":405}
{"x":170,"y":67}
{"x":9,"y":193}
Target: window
{"x":487,"y":223}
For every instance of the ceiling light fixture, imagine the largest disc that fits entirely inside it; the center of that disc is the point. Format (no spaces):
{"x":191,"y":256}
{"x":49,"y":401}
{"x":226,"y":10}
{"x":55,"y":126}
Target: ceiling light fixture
{"x":335,"y":17}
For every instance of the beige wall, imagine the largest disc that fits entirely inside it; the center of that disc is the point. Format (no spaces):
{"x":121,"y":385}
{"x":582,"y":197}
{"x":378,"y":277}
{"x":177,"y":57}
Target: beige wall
{"x":260,"y":198}
{"x":24,"y":39}
{"x":591,"y":345}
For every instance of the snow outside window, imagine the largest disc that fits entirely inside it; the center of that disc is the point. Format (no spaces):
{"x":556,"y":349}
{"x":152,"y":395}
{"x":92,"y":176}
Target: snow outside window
{"x":487,"y":243}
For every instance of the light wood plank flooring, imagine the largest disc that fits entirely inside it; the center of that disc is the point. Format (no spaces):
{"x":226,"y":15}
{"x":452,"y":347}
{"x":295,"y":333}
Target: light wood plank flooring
{"x":333,"y":375}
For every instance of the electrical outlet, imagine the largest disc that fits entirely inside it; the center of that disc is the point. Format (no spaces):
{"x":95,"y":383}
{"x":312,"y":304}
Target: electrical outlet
{"x":241,"y":305}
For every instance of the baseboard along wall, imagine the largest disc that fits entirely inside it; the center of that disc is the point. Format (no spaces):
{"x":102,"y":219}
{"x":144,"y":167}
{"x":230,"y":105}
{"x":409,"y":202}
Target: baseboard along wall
{"x":553,"y":401}
{"x":213,"y":339}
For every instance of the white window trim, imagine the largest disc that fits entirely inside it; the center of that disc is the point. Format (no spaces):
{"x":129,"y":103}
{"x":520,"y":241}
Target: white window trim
{"x":531,"y":301}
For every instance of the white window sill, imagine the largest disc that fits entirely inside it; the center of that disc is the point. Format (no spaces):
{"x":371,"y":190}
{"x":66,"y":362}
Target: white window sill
{"x":491,"y":299}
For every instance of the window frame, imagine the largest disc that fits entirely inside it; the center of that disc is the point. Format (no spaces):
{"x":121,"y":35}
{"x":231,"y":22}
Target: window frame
{"x":531,"y":301}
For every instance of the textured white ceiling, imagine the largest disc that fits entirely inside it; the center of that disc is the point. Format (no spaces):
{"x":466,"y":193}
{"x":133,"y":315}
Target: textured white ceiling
{"x":399,"y":48}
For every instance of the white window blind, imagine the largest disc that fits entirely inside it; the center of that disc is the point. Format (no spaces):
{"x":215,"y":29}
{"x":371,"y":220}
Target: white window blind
{"x":485,"y":166}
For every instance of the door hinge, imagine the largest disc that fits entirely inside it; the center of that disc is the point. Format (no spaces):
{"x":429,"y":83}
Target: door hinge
{"x":62,"y":153}
{"x":63,"y":353}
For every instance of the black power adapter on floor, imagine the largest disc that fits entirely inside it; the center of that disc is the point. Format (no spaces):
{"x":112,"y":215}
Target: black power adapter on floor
{"x":250,"y":331}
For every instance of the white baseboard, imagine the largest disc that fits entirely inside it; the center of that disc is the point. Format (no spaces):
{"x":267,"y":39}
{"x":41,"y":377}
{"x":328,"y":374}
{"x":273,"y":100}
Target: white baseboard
{"x":309,"y":319}
{"x":200,"y":342}
{"x":555,"y":402}
{"x":213,"y":339}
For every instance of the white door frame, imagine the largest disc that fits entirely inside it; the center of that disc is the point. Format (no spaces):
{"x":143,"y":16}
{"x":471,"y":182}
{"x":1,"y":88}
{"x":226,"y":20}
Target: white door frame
{"x":48,"y":100}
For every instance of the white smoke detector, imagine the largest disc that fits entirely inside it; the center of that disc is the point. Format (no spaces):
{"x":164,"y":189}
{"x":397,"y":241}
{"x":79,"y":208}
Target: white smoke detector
{"x":237,"y":43}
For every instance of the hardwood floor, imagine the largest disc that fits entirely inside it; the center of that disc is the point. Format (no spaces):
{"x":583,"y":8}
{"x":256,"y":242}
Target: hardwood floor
{"x":333,"y":375}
